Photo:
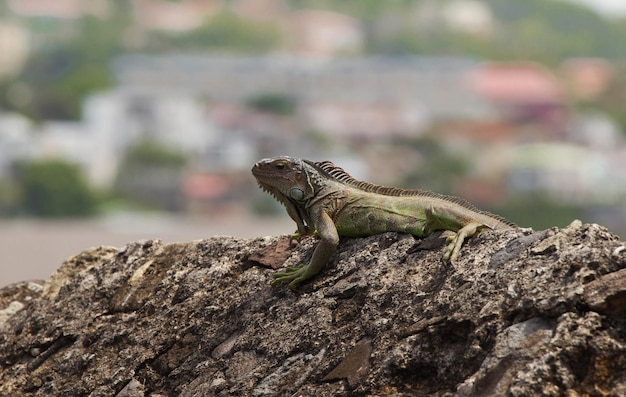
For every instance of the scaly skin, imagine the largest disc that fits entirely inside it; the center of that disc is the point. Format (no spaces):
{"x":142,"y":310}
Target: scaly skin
{"x":323,"y":199}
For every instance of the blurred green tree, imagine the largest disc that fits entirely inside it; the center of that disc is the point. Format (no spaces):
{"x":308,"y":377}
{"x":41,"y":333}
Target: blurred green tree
{"x":149,"y":153}
{"x":439,"y":169}
{"x":62,"y":73}
{"x":275,"y":103}
{"x":10,"y":197}
{"x":224,"y":31}
{"x":531,"y":30}
{"x":539,"y":212}
{"x":150,"y":174}
{"x":54,"y":188}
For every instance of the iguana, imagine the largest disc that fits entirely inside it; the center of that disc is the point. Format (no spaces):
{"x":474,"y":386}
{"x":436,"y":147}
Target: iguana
{"x":324,"y":199}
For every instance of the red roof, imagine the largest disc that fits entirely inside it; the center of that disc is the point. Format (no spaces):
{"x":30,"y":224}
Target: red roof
{"x":516,"y":83}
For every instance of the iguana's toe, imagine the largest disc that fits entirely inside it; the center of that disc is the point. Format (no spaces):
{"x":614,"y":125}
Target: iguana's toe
{"x":453,"y":248}
{"x":455,"y":242}
{"x":294,"y":274}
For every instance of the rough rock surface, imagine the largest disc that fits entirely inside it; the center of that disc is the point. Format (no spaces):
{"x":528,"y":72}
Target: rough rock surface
{"x":522,"y":313}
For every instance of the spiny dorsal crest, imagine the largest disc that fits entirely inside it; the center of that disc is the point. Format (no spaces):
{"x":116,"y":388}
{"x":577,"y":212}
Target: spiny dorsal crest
{"x":329,"y":169}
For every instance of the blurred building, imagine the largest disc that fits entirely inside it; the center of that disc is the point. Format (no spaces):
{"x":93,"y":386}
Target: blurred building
{"x":346,"y":97}
{"x":587,"y":78}
{"x":14,"y":47}
{"x":524,"y":93}
{"x":173,"y":16}
{"x":16,"y":140}
{"x":322,"y":34}
{"x":470,"y":17}
{"x":204,"y":106}
{"x":568,"y":173}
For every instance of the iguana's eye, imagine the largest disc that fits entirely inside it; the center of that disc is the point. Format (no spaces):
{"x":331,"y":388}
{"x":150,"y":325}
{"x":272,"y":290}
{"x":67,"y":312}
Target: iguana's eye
{"x":281,"y":165}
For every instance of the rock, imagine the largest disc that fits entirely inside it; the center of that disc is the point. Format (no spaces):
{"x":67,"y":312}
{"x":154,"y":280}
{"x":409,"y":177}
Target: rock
{"x":519,"y":314}
{"x":14,"y":297}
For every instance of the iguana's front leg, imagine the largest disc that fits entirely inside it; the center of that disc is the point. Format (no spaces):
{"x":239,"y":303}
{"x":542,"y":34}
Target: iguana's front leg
{"x":445,"y":218}
{"x":329,"y":239}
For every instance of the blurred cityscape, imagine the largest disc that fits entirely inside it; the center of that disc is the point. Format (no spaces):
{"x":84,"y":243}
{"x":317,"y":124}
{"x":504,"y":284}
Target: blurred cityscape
{"x":114,"y":107}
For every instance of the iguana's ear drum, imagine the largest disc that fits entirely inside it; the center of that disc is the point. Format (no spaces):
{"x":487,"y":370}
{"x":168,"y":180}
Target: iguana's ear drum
{"x":298,"y":176}
{"x":296,"y":194}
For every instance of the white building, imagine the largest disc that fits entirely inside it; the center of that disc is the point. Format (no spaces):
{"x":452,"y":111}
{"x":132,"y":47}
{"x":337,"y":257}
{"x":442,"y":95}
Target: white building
{"x":16,"y":139}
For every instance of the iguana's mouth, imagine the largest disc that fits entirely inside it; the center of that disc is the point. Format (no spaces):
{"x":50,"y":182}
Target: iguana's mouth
{"x":257,"y":171}
{"x":256,"y":168}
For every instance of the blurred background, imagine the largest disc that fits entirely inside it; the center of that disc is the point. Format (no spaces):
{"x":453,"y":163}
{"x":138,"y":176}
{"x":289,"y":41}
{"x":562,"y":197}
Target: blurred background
{"x":128,"y":119}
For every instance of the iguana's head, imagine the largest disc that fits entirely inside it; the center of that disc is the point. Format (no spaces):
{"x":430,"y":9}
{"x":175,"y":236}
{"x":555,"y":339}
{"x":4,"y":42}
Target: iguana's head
{"x":284,"y":177}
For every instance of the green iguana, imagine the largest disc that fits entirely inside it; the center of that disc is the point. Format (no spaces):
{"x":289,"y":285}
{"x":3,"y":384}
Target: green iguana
{"x":325,"y":200}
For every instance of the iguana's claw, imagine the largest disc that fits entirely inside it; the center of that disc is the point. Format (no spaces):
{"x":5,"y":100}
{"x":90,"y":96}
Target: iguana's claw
{"x":298,"y":236}
{"x":453,"y":249}
{"x":294,"y":274}
{"x":295,"y":236}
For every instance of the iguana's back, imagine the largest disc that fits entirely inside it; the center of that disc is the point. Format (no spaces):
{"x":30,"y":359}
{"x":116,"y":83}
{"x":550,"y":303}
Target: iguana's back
{"x":371,"y":209}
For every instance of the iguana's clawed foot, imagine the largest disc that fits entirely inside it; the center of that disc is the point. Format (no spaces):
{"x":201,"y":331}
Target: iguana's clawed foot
{"x":455,"y":242}
{"x":453,"y":248}
{"x":295,"y":274}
